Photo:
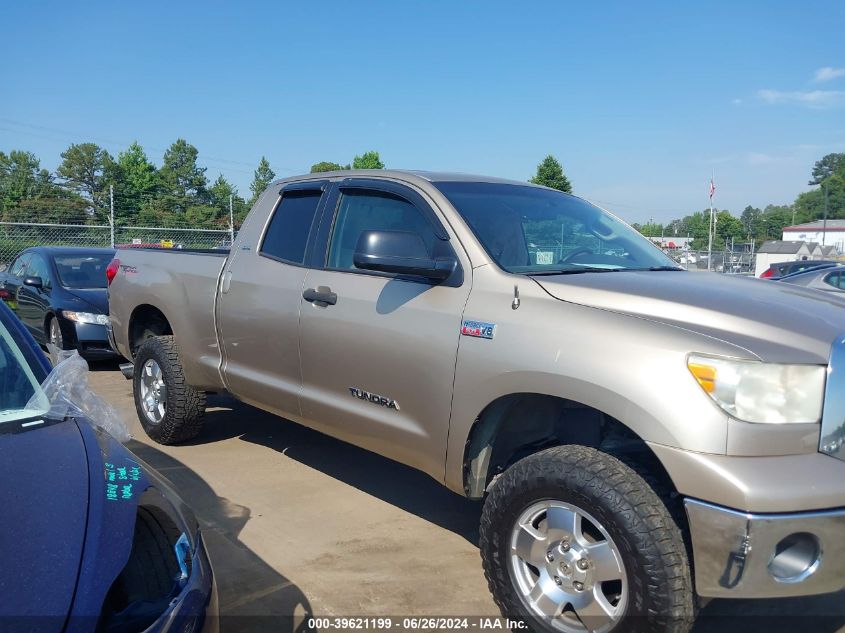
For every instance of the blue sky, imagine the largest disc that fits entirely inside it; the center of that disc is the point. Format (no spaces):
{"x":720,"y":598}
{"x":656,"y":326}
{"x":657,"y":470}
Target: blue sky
{"x":639,"y":101}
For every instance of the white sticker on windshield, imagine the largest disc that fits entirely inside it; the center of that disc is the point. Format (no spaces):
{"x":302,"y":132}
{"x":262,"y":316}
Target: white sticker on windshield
{"x":545,"y":258}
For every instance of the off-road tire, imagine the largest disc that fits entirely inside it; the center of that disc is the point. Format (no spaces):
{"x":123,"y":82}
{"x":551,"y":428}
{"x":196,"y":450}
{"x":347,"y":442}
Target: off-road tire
{"x":185,"y":407}
{"x":661,"y":597}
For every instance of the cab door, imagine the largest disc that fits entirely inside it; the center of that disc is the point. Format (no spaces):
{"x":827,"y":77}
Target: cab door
{"x":377,"y":350}
{"x":259,"y":303}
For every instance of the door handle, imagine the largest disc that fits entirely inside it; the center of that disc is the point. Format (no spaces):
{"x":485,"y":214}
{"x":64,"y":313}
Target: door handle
{"x":325,"y":295}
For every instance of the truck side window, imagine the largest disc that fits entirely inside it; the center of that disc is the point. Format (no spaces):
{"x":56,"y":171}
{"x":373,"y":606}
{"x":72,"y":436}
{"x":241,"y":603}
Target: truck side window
{"x":287,"y":234}
{"x":361,"y":211}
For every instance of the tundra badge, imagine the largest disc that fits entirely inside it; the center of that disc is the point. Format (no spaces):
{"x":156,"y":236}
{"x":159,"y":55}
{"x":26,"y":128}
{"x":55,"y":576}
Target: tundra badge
{"x":383,"y":401}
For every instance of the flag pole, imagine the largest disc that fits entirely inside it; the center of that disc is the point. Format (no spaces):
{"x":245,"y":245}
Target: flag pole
{"x":710,"y":231}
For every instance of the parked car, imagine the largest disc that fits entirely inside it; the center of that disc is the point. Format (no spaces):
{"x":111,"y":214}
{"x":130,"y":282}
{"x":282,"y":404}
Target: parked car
{"x":59,"y":293}
{"x":620,"y":417}
{"x":781,"y":269}
{"x":91,"y":537}
{"x":828,"y":278}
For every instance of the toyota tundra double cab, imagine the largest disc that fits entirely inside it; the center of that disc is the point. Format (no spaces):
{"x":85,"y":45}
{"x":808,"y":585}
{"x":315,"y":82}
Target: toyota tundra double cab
{"x":642,"y":437}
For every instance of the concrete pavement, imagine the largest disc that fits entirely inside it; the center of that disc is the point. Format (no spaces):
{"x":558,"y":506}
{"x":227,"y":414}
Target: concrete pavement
{"x":297,"y":523}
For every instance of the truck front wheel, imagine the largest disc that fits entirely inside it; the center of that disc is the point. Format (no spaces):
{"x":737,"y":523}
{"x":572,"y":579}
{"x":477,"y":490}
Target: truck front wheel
{"x":573,"y":540}
{"x":169,"y":409}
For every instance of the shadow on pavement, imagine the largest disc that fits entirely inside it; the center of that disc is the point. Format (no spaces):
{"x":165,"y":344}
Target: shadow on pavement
{"x":252,"y":596}
{"x":390,"y":481}
{"x":422,"y":496}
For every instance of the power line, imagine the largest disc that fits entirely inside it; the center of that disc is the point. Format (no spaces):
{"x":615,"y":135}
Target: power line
{"x":67,"y":135}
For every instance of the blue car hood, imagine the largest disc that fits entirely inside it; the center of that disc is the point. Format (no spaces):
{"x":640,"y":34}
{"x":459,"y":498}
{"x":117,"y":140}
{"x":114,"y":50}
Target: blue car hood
{"x":97,"y":298}
{"x":44,"y":500}
{"x":69,"y":497}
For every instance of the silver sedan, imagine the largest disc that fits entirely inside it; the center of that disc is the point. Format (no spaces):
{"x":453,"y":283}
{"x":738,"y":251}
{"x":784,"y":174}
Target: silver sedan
{"x":830,"y":279}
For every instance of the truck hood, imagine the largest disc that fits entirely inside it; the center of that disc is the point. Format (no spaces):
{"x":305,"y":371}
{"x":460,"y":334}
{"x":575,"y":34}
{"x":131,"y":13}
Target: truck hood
{"x":770,"y":320}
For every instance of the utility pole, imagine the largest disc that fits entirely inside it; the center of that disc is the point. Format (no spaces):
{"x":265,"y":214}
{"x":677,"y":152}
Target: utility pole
{"x":231,"y":223}
{"x":824,"y":223}
{"x":111,"y":213}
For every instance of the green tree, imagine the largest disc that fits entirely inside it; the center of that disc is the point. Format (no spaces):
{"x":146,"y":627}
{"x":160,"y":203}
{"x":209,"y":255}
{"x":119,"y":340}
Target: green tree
{"x":750,"y":219}
{"x":826,"y":166}
{"x":21,"y":178}
{"x":651,"y":229}
{"x":728,"y":228}
{"x":550,"y":174}
{"x":263,"y":176}
{"x":367,"y":160}
{"x":84,"y":169}
{"x":136,"y":182}
{"x":220,"y":192}
{"x":320,"y":167}
{"x":183,"y":182}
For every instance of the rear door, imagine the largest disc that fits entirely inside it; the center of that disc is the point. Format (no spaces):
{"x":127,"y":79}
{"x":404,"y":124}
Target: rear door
{"x":258,"y":308}
{"x":378,"y":364}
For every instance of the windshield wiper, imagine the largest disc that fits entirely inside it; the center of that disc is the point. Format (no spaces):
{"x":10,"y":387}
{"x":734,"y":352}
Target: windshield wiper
{"x":575,"y":271}
{"x":652,"y":269}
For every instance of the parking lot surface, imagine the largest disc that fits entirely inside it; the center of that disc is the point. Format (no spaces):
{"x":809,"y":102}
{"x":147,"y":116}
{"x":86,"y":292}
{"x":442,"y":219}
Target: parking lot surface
{"x":299,"y":524}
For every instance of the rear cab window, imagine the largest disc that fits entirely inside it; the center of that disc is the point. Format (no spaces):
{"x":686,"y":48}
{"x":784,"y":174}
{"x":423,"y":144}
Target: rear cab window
{"x":286,"y":236}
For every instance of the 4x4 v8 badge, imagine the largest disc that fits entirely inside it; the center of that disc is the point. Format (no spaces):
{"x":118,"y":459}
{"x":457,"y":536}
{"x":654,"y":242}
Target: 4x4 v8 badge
{"x":383,"y":401}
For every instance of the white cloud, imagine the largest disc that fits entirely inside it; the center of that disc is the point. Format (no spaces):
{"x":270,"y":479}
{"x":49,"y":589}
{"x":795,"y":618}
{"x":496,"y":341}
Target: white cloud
{"x":809,"y":98}
{"x":827,"y":73}
{"x":736,"y":101}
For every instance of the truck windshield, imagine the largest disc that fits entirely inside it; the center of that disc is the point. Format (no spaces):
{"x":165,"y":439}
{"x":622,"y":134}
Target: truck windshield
{"x":21,"y":396}
{"x":533,"y":231}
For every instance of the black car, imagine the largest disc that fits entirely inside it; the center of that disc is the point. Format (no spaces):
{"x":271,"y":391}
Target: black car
{"x":60,"y":294}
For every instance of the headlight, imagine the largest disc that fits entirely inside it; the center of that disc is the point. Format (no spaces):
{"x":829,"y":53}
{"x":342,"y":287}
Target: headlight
{"x":762,"y":392}
{"x":86,"y":317}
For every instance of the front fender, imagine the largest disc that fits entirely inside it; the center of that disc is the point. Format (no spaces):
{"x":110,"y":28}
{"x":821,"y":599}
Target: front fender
{"x":630,"y":368}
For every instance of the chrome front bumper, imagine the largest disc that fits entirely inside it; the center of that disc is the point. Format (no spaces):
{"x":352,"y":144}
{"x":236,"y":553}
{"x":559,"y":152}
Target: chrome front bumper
{"x":741,"y":555}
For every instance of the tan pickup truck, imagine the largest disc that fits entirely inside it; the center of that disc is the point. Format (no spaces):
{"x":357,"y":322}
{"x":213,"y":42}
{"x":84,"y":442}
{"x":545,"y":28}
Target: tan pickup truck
{"x":642,"y":437}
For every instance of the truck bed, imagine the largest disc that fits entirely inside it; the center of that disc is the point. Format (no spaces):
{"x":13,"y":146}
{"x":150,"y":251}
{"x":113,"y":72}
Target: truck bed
{"x":182,"y":285}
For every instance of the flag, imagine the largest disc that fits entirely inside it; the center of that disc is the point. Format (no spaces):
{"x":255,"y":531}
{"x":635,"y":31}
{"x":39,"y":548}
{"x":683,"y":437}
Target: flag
{"x":712,"y":188}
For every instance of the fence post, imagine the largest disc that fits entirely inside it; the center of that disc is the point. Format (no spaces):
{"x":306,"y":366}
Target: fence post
{"x":111,"y":213}
{"x":231,"y":224}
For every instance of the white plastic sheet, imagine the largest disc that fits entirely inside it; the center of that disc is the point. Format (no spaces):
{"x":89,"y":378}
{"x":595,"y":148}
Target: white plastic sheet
{"x":70,"y":395}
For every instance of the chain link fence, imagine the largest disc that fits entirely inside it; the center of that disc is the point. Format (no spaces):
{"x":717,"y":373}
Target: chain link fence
{"x":16,"y":236}
{"x":731,"y":262}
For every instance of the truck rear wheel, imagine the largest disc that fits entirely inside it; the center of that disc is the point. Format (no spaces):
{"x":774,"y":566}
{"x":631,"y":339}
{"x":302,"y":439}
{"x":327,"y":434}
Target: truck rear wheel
{"x":169,"y":409}
{"x":573,"y":540}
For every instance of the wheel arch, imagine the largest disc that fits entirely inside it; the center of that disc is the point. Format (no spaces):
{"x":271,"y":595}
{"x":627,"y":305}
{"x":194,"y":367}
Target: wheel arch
{"x":516,"y":425}
{"x":146,"y":320}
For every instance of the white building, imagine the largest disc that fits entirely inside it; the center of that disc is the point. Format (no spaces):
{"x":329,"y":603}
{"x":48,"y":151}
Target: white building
{"x":776,"y":251}
{"x":830,"y":233}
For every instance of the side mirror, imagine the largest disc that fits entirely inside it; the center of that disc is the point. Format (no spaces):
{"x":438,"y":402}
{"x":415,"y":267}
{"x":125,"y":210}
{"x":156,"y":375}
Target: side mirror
{"x":35,"y":282}
{"x":402,"y":253}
